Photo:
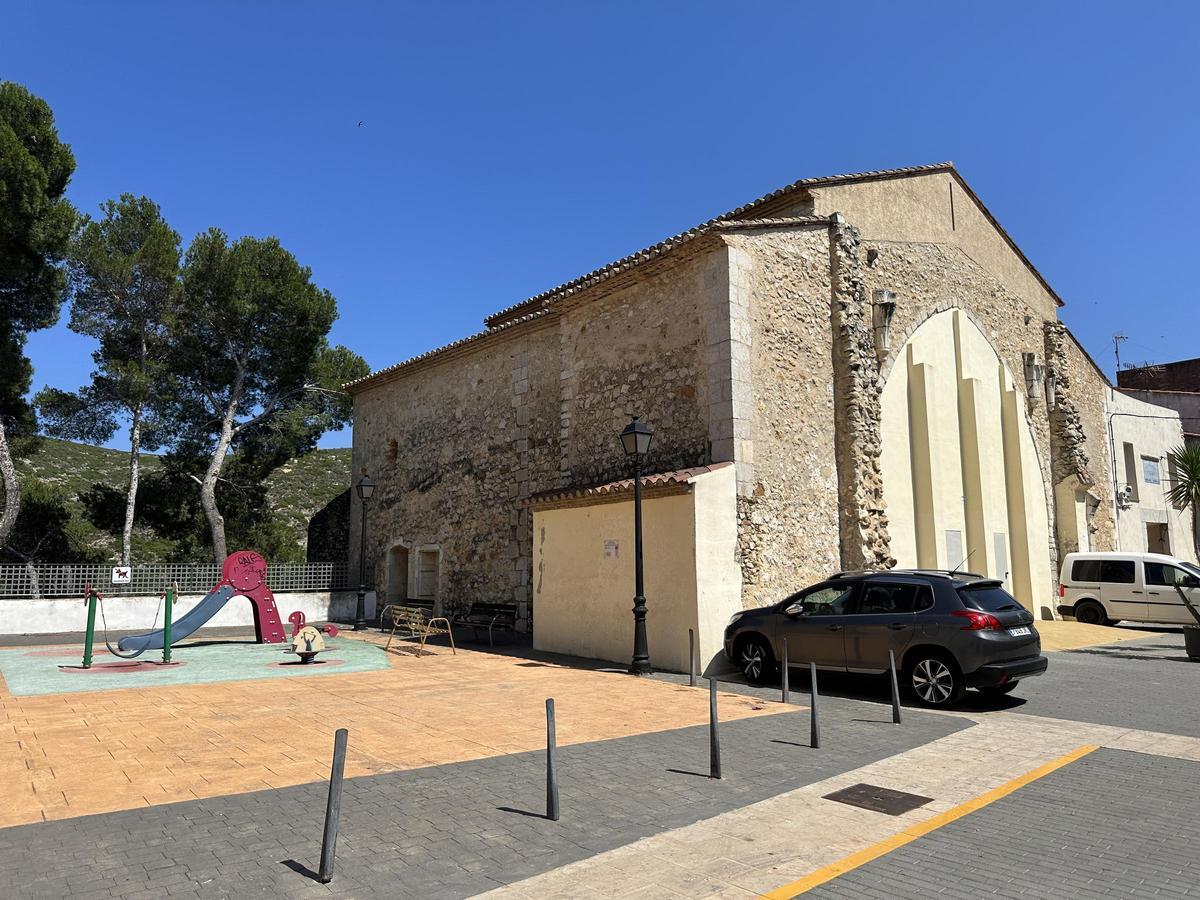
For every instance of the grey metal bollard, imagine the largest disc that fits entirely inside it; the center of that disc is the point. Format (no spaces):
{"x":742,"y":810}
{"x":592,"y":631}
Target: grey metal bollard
{"x":786,"y":692}
{"x":815,"y":736}
{"x":333,"y":809}
{"x":551,"y":764}
{"x":895,"y":689}
{"x":714,"y":741}
{"x":691,"y":657}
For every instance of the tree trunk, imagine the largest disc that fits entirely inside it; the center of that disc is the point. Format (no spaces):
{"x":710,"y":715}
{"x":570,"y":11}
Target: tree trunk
{"x":12,"y":491}
{"x":208,"y":487}
{"x":135,"y":445}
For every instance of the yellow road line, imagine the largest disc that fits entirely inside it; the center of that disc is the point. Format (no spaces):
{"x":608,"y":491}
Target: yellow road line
{"x":910,"y":834}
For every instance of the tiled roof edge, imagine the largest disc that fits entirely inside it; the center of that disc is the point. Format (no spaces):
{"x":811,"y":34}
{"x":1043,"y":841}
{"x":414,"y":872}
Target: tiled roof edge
{"x":660,"y":479}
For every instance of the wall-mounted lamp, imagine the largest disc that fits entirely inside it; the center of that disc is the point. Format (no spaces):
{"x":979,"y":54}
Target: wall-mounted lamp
{"x":882,"y":311}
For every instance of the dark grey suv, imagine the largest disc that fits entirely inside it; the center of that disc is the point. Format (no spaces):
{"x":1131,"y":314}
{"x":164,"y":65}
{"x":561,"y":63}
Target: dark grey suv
{"x":948,"y":630}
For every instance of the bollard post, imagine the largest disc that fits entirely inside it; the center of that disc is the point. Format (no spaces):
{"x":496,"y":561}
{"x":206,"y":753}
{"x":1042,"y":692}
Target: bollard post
{"x":333,"y":809}
{"x":551,"y":764}
{"x":815,"y":736}
{"x":691,"y":657}
{"x":714,"y":741}
{"x":895,"y":689}
{"x":91,"y":627}
{"x":786,"y":692}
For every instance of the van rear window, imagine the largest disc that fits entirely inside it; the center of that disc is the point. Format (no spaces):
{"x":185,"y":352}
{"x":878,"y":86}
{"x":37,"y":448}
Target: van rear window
{"x":1111,"y":571}
{"x":988,"y":598}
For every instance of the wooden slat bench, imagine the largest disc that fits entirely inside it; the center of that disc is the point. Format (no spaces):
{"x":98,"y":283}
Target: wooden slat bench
{"x":492,"y":616}
{"x":414,"y":622}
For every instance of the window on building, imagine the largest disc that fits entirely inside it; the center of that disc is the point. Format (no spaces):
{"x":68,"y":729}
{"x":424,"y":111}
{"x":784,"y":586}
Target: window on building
{"x":1131,"y":477}
{"x":954,"y":548}
{"x":1150,"y":471}
{"x":1158,"y":537}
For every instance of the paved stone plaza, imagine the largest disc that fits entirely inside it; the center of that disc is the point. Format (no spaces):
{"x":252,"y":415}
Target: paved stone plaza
{"x":1083,"y":783}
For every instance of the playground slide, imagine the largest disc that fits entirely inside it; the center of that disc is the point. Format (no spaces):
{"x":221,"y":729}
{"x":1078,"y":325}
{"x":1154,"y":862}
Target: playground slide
{"x":204,"y":610}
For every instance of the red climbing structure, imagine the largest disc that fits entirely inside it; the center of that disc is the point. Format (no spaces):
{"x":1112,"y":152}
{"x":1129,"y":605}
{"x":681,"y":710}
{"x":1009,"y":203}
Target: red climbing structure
{"x":246,"y":572}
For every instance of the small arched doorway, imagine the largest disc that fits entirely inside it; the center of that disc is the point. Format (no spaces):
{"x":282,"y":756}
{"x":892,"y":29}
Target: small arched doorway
{"x":397,"y":574}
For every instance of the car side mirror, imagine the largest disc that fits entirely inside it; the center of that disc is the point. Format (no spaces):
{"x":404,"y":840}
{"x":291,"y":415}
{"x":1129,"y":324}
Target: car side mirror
{"x":796,"y":609}
{"x":1191,"y":581}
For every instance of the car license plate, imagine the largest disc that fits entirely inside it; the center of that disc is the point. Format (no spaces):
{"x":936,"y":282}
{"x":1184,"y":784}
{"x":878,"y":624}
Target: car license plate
{"x":1022,"y":631}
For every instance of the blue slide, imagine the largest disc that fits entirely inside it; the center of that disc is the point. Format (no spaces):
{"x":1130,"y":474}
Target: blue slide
{"x":205,"y":610}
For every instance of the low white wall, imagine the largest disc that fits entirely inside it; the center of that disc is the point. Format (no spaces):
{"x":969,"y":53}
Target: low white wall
{"x":584,"y":581}
{"x":137,"y":613}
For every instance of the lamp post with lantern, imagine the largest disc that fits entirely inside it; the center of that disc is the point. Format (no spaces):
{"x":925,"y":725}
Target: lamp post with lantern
{"x":364,"y":488}
{"x":636,"y":441}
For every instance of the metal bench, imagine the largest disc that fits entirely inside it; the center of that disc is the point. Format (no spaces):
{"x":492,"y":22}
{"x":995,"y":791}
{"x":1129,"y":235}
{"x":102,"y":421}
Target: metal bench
{"x":385,"y":614}
{"x":492,"y":616}
{"x":413,"y":622}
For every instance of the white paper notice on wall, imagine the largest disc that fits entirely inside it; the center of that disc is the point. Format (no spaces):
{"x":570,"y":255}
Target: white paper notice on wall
{"x":121,"y":574}
{"x":611,"y":549}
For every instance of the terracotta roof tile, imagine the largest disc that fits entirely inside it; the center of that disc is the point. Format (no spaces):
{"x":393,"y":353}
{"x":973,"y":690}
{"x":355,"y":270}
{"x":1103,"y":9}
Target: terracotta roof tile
{"x":659,"y":479}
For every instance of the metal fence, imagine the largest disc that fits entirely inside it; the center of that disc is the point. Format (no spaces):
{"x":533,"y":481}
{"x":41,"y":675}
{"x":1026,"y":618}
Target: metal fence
{"x":66,"y":580}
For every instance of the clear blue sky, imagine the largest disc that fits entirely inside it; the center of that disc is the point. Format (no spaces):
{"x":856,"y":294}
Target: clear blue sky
{"x":508,"y":147}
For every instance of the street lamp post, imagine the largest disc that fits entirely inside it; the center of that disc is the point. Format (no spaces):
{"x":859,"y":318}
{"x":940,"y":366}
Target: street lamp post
{"x":365,"y":488}
{"x":636,"y":441}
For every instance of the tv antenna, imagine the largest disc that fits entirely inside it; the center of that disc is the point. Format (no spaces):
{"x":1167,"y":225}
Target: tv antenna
{"x":1119,"y":338}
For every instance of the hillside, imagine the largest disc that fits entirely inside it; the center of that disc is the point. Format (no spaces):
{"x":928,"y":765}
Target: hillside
{"x":297,"y":489}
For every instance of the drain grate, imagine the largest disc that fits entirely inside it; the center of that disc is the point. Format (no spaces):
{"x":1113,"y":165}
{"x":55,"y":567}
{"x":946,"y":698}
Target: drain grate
{"x":879,"y":799}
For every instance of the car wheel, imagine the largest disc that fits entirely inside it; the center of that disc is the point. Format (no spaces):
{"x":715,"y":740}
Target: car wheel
{"x":1089,"y":612}
{"x":999,"y":690}
{"x":935,"y":680}
{"x":755,"y":659}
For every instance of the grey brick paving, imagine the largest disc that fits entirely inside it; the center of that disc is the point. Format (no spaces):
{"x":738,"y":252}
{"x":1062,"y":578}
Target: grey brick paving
{"x":1112,"y":824}
{"x":446,"y":831}
{"x":1147,"y":684}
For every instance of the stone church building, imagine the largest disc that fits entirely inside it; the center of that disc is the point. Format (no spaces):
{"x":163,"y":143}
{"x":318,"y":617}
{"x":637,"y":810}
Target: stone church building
{"x":852,"y":371}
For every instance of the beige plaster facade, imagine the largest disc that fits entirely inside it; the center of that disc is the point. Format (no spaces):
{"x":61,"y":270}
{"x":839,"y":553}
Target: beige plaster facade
{"x":584,"y":580}
{"x":787,"y":338}
{"x":1142,"y":437}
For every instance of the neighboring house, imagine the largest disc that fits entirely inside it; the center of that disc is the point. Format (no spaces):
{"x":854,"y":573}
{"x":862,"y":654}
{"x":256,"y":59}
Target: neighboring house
{"x":1143,"y":435}
{"x":874,"y":355}
{"x":1175,"y":385}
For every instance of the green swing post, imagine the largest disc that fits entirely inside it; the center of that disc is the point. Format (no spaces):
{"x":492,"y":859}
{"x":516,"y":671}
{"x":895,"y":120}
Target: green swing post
{"x":168,"y":600}
{"x":91,"y":601}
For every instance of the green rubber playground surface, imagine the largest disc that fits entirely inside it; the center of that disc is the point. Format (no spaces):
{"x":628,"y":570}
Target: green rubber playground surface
{"x":29,"y":671}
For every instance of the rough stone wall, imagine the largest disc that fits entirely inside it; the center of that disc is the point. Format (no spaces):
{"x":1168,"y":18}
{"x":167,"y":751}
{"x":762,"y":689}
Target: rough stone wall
{"x":857,"y":389}
{"x":1085,"y":392}
{"x":451,"y":449}
{"x":458,"y":443}
{"x":1067,"y":435}
{"x":329,"y":530}
{"x":932,"y":278}
{"x":788,"y":520}
{"x":638,"y":351}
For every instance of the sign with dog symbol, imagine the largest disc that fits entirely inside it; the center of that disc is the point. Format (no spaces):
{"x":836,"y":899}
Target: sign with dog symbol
{"x":122,"y":575}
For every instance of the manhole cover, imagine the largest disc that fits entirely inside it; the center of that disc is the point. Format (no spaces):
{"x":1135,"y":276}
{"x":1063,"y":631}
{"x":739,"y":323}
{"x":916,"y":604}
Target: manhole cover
{"x":879,"y":799}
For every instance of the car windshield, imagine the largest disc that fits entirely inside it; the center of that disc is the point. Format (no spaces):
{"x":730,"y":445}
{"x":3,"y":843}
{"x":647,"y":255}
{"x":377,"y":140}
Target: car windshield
{"x":987,"y":598}
{"x":1191,"y":569}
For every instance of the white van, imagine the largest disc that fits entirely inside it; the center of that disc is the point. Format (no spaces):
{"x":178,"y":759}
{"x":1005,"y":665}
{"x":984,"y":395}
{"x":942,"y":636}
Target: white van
{"x":1106,"y":588}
